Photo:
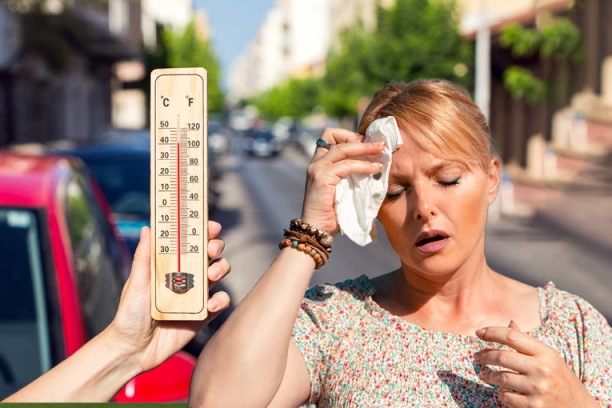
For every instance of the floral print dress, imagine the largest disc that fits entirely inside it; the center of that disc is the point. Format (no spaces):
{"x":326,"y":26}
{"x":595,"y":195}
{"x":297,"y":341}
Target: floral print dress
{"x":360,"y":355}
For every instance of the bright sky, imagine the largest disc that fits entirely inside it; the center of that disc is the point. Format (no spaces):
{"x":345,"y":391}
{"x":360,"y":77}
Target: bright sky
{"x":233,"y":24}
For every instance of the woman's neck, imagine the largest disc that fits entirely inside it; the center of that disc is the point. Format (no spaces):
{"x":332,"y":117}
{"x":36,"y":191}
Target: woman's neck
{"x":457,"y":295}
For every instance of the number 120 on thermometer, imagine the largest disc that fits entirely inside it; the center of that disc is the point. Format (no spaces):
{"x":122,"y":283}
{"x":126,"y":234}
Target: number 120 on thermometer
{"x":179,"y":189}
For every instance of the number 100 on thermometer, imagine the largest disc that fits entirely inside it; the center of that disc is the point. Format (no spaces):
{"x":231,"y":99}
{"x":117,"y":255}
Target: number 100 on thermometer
{"x":179,"y":188}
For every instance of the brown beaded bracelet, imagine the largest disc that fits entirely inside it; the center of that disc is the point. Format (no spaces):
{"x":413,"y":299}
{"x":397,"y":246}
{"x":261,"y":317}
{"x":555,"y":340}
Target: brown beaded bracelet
{"x":319,"y":259}
{"x":307,"y":239}
{"x":319,"y":235}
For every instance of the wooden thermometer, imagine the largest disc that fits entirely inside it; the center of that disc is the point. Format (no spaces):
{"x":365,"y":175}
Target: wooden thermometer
{"x":179,"y":194}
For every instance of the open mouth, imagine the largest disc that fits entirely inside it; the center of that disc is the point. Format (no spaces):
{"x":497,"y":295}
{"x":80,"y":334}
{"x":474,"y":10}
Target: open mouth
{"x":426,"y":241}
{"x":431,"y":241}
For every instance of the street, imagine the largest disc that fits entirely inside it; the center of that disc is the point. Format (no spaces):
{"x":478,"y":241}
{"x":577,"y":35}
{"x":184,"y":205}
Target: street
{"x":260,"y":196}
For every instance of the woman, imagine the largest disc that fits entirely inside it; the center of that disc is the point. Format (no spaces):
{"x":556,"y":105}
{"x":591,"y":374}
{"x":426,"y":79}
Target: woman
{"x":442,"y":330}
{"x":133,"y":343}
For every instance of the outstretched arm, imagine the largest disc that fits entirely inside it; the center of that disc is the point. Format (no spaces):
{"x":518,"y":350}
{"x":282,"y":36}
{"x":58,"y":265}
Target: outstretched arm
{"x":133,"y":343}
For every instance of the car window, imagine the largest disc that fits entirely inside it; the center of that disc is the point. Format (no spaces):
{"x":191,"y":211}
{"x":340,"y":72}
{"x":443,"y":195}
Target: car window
{"x":25,"y":349}
{"x":97,"y":274}
{"x":125,"y":181}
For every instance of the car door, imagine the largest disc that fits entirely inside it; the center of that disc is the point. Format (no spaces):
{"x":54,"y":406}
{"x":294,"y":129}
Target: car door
{"x":30,"y":339}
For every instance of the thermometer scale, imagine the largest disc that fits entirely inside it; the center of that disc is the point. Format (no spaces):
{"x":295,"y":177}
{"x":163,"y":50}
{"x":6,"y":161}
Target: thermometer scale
{"x":179,"y":194}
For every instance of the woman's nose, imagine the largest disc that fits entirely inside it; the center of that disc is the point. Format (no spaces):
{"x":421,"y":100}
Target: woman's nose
{"x":423,"y":209}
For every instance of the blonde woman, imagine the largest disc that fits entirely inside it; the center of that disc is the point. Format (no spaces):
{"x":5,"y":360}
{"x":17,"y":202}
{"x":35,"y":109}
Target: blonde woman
{"x":443,"y":330}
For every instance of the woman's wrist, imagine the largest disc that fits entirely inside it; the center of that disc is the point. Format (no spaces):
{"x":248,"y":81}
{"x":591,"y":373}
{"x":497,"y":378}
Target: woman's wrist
{"x":298,"y":258}
{"x":126,"y":356}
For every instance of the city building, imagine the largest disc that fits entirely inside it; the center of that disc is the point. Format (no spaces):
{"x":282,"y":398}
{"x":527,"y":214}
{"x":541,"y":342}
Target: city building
{"x":172,"y":13}
{"x":61,"y":88}
{"x":293,"y":40}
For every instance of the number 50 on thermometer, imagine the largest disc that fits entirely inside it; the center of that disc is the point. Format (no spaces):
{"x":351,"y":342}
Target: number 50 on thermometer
{"x":179,"y":194}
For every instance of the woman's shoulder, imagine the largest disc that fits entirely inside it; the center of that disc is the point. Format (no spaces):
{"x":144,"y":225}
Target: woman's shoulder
{"x":341,"y":294}
{"x":570,"y":310}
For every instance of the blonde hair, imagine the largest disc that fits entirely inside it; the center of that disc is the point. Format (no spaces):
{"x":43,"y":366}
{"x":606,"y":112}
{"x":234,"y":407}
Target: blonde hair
{"x":438,"y":116}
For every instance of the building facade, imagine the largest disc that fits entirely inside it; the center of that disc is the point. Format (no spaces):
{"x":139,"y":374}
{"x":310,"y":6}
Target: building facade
{"x":293,"y":40}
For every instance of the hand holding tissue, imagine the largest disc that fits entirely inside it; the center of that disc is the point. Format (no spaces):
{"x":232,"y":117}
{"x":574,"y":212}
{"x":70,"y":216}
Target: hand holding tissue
{"x":359,"y":197}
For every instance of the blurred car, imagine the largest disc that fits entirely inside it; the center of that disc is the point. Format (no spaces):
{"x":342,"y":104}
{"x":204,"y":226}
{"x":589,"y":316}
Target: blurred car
{"x":218,"y":143}
{"x":124,"y":175}
{"x":262,"y":143}
{"x":121,"y":167}
{"x":63,"y":268}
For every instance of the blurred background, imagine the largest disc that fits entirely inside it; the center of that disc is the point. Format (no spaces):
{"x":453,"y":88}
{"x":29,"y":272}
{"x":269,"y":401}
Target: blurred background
{"x":74,"y":140}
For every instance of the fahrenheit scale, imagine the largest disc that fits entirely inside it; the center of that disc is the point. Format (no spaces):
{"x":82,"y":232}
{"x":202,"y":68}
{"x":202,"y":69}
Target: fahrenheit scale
{"x":179,"y":188}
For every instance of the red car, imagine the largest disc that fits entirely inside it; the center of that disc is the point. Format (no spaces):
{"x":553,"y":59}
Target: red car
{"x":62,"y":268}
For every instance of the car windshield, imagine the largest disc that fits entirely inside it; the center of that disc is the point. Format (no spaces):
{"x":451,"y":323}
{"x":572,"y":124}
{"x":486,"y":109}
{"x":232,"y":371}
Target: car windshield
{"x":25,"y":350}
{"x":124,"y":180}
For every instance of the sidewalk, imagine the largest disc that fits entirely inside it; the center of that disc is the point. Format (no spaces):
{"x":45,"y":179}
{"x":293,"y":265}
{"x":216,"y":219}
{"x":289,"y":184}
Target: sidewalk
{"x":587,"y":219}
{"x":584,"y":211}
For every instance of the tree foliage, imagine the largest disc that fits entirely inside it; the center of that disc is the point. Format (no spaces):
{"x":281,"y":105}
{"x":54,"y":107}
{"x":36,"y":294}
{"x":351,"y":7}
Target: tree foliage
{"x":412,"y":39}
{"x":294,"y":97}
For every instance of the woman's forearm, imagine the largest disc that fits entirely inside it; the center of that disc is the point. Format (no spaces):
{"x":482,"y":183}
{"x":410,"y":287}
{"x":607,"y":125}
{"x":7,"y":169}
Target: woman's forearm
{"x":244,"y":363}
{"x":95,"y":373}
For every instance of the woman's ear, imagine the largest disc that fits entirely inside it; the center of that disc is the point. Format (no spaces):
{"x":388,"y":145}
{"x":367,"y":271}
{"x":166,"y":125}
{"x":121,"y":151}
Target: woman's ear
{"x":493,"y":185}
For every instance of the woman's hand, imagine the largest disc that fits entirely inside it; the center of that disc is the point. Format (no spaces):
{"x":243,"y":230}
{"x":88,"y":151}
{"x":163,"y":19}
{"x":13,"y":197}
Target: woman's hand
{"x":148,"y":341}
{"x":326,"y":170}
{"x":537,"y":376}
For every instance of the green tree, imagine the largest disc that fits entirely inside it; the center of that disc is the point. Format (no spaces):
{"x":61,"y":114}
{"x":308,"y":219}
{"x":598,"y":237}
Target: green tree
{"x":294,"y":98}
{"x":185,"y":49}
{"x":413,"y":39}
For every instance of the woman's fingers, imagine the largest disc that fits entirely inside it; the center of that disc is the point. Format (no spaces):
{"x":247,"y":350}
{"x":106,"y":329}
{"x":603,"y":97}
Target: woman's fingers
{"x":504,"y":358}
{"x":506,"y":379}
{"x":351,"y":150}
{"x":214,"y":229}
{"x":521,"y":342}
{"x":218,"y":269}
{"x":215,"y":247}
{"x":217,"y":304}
{"x":345,"y":167}
{"x":512,"y":399}
{"x":336,"y":136}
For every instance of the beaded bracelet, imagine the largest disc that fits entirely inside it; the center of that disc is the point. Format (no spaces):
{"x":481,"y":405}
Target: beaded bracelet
{"x":320,"y":236}
{"x":308,"y":240}
{"x":319,"y":259}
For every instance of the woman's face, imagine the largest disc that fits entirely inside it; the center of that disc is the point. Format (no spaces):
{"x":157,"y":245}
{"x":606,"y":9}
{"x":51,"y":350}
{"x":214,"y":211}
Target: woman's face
{"x":435,"y":211}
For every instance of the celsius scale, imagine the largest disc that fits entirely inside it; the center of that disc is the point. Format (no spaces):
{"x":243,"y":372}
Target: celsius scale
{"x":179,"y":194}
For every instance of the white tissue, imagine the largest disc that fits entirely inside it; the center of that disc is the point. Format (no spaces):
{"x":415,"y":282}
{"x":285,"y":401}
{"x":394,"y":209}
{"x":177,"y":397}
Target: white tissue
{"x":359,"y":197}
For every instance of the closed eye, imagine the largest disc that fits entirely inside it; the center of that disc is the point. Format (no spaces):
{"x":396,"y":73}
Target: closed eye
{"x":450,"y":183}
{"x":395,"y":194}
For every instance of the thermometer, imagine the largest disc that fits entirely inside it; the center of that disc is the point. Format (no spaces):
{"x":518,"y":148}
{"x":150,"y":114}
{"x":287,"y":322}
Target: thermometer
{"x":179,"y":194}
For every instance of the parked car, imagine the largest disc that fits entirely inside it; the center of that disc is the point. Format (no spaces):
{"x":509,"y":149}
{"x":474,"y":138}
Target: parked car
{"x":124,"y":175}
{"x":63,"y":268}
{"x":121,"y":167}
{"x":261,"y":143}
